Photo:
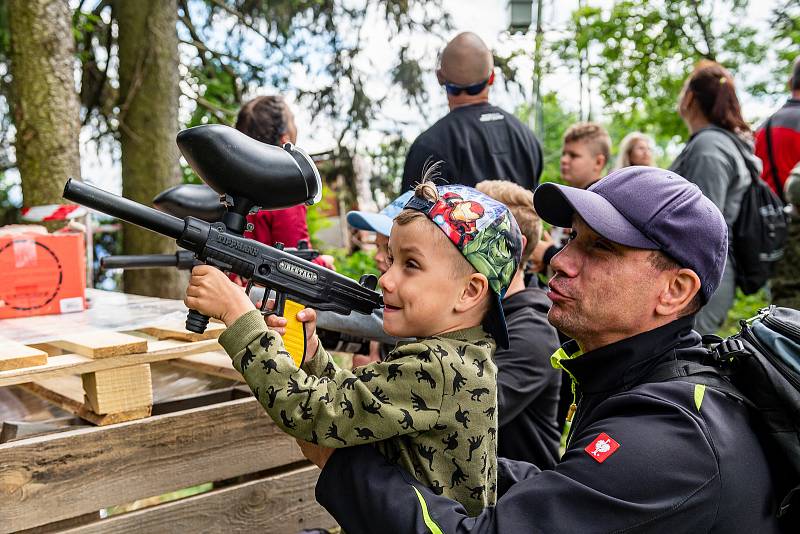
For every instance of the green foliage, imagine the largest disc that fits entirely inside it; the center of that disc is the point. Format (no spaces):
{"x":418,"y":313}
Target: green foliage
{"x":354,"y":265}
{"x":744,"y":307}
{"x":387,"y":167}
{"x":315,"y":218}
{"x":638,"y":53}
{"x":555,"y":122}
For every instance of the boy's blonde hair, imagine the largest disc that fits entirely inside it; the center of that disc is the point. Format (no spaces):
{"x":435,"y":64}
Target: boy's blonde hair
{"x":520,"y":202}
{"x":593,"y":134}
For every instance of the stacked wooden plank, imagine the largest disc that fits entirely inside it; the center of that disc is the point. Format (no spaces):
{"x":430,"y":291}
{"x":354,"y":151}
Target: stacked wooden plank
{"x":104,"y":376}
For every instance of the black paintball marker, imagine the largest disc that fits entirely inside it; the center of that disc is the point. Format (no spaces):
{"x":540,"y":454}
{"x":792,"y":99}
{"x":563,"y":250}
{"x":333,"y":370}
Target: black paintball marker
{"x":184,"y":260}
{"x":252,"y":174}
{"x":188,"y":200}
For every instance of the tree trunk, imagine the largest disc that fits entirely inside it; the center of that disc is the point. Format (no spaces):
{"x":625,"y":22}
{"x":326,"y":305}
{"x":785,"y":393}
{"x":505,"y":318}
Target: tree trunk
{"x":148,"y":122}
{"x":44,"y":98}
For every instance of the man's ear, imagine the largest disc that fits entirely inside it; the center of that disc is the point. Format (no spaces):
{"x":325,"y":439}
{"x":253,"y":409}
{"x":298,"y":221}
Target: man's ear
{"x":474,"y":292}
{"x":524,"y":244}
{"x":283,"y":139}
{"x":440,"y":76}
{"x":679,"y":290}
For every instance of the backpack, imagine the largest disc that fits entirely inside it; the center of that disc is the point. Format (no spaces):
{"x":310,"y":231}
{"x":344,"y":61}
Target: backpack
{"x":759,"y":366}
{"x":759,"y":232}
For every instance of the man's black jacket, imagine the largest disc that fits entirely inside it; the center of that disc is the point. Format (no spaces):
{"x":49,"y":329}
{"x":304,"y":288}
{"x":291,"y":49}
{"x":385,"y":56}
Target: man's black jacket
{"x":676,"y":457}
{"x":527,"y":385}
{"x":476,"y":143}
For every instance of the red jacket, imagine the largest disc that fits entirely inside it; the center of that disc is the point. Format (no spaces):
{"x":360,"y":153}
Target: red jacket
{"x":785,"y":129}
{"x":287,"y":226}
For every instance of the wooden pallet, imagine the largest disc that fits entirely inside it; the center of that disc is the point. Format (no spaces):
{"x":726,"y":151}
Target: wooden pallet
{"x":104,"y":376}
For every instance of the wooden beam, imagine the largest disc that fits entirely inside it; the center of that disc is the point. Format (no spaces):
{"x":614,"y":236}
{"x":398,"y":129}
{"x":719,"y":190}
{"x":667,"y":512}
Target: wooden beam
{"x":70,"y":364}
{"x":50,"y":478}
{"x":66,"y":392}
{"x":278,"y":504}
{"x":179,"y":332}
{"x":119,"y":390}
{"x":101,"y":344}
{"x":15,"y":355}
{"x":211,"y":363}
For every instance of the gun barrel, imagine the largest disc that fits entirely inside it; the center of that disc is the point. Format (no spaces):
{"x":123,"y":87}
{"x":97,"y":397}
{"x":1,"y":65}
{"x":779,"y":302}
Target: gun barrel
{"x":122,"y":208}
{"x":182,"y":259}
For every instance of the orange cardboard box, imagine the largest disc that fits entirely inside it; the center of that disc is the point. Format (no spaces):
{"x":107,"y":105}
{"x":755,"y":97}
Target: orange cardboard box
{"x":42,"y":274}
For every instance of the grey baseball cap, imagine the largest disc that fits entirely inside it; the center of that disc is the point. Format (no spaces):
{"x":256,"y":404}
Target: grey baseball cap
{"x":648,"y":208}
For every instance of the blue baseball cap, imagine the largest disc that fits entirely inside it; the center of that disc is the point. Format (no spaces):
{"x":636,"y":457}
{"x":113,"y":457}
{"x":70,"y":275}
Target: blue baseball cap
{"x":647,"y":208}
{"x":380,"y":222}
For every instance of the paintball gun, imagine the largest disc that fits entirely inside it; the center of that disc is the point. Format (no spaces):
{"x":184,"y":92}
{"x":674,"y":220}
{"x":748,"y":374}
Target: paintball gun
{"x":248,"y":174}
{"x":188,"y":200}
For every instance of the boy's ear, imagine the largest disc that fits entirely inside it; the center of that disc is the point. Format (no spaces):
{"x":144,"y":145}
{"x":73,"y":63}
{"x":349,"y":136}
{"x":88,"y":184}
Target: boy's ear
{"x":474,"y":292}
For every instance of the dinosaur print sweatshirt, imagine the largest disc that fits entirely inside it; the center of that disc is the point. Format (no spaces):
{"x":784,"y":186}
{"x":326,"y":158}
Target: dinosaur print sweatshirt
{"x":430,"y":406}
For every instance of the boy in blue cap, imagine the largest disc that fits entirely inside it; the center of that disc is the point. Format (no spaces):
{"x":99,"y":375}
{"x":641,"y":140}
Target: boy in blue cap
{"x":430,"y":407}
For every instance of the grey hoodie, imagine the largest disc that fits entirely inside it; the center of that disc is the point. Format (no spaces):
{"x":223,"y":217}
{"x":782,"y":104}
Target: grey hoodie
{"x":717,"y":161}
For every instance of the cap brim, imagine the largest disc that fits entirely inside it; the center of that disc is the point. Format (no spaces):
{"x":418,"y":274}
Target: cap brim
{"x":495,"y":323}
{"x":373,"y":222}
{"x":557,"y":204}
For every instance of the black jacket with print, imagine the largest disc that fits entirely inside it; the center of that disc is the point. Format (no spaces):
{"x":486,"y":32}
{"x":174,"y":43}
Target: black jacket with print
{"x":643,"y":457}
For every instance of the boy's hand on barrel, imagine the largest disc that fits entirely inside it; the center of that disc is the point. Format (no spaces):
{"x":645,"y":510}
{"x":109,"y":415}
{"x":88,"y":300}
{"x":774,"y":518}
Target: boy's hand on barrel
{"x":212,"y":293}
{"x":308,"y":317}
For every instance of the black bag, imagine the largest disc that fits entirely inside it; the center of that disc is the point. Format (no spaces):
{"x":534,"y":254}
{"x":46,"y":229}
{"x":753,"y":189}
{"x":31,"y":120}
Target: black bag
{"x":759,"y":366}
{"x":759,"y":232}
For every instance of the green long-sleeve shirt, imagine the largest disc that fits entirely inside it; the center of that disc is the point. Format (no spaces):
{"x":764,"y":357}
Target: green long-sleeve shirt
{"x":430,"y":406}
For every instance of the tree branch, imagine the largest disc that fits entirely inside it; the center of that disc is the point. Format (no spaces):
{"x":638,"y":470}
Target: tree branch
{"x":709,"y":39}
{"x":239,"y":15}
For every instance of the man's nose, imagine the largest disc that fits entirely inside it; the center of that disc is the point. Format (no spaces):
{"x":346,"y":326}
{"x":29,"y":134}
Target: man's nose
{"x":566,"y":261}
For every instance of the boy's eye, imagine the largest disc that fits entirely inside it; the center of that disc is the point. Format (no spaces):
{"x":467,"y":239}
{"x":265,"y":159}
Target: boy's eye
{"x":572,"y":235}
{"x":411,"y":264}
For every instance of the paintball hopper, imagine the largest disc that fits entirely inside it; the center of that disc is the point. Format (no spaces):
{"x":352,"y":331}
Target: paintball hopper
{"x":233,"y":164}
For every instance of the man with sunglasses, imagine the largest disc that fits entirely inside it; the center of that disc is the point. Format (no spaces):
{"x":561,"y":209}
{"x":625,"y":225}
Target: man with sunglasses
{"x":476,"y":141}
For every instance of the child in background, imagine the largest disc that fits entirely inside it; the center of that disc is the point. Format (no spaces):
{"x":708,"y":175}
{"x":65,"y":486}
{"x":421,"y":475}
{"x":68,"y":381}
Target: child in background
{"x":431,"y":406}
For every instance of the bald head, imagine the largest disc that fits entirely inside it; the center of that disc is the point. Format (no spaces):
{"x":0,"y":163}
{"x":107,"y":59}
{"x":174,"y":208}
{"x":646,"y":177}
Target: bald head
{"x":466,"y":60}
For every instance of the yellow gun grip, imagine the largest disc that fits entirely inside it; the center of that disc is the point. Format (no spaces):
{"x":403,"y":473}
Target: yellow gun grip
{"x":295,"y":337}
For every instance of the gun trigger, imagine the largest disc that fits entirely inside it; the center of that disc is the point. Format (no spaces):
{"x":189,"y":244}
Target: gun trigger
{"x":248,"y":287}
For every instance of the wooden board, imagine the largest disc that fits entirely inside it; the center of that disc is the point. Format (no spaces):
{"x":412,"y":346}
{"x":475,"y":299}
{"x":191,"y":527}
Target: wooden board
{"x":101,"y":344}
{"x":119,"y":390}
{"x":216,"y":363}
{"x":81,"y":471}
{"x":66,"y":392}
{"x":15,"y":355}
{"x":70,"y":364}
{"x":279,"y":504}
{"x":179,"y":332}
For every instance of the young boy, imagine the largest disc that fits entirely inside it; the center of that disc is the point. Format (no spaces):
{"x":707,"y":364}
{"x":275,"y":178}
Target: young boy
{"x":431,"y":406}
{"x":586,"y":151}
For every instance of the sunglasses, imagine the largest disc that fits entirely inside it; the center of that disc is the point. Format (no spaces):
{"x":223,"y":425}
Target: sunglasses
{"x":472,"y":90}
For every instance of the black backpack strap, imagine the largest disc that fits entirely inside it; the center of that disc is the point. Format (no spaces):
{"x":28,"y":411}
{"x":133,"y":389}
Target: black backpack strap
{"x":695,"y":373}
{"x":775,"y":180}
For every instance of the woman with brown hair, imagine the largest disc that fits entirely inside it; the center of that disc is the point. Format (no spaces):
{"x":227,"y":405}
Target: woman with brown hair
{"x":716,"y":158}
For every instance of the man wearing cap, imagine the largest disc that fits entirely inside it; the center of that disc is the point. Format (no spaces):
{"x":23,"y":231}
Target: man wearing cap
{"x":475,"y":140}
{"x":642,"y":455}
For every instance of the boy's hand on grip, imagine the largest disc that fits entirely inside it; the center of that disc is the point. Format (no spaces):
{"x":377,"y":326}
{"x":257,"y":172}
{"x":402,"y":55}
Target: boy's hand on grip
{"x":308,"y":317}
{"x":212,"y":293}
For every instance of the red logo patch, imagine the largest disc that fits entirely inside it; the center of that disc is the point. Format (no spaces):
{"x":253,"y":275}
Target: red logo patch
{"x":602,"y":447}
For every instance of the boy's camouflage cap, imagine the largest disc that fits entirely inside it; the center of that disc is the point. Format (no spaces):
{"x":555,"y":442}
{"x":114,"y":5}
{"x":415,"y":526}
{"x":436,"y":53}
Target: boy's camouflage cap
{"x":486,"y":234}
